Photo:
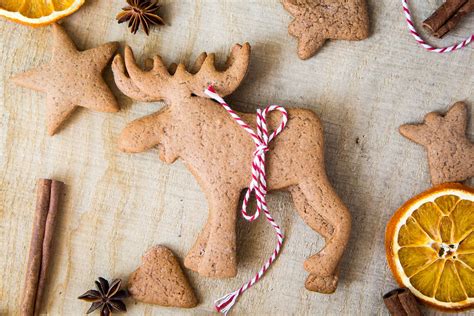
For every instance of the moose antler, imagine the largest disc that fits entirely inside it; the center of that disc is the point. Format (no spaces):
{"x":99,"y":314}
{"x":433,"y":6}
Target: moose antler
{"x":160,"y":82}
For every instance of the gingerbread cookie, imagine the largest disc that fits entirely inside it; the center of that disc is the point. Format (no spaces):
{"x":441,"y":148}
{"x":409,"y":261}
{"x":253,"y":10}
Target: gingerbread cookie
{"x":216,"y":151}
{"x":450,"y":153}
{"x":72,"y":78}
{"x":161,"y":281}
{"x":318,"y":20}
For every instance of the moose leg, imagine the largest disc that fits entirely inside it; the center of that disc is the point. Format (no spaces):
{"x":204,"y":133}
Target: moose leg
{"x":193,"y":259}
{"x":311,"y":217}
{"x":324,"y":212}
{"x":214,"y":253}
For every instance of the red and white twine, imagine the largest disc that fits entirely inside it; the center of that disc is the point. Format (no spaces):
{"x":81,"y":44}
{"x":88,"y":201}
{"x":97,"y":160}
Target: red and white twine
{"x":411,"y":27}
{"x":258,"y":185}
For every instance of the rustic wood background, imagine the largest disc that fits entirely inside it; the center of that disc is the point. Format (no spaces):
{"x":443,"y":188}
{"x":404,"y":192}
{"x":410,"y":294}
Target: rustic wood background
{"x":119,"y":205}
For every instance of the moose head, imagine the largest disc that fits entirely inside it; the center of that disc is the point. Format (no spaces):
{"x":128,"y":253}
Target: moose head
{"x":218,"y":153}
{"x":182,"y":91}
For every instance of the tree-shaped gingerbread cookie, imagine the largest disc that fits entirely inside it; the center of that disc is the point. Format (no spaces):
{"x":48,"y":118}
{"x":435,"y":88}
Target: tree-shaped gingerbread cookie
{"x":316,"y":21}
{"x":450,"y":153}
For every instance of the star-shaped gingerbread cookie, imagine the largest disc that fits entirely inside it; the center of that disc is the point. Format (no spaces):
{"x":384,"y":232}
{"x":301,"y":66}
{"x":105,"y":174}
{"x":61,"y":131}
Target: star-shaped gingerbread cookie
{"x":450,"y":153}
{"x":318,"y":20}
{"x":72,"y":78}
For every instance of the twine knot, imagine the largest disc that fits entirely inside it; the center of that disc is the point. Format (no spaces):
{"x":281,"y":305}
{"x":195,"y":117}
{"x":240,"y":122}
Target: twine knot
{"x":258,"y":186}
{"x":261,"y":150}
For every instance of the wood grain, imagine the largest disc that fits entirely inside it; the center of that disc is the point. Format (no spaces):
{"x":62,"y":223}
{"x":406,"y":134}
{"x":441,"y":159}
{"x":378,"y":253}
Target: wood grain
{"x":118,"y":205}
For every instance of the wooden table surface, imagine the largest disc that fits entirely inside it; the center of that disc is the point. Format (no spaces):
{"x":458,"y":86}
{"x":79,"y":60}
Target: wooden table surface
{"x":119,"y":205}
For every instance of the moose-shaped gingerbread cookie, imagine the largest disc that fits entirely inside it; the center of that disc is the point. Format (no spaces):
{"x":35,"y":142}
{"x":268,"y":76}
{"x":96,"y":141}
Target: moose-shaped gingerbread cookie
{"x":218,"y":153}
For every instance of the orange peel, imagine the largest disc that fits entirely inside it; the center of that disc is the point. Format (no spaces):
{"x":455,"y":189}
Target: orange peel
{"x":429,"y":245}
{"x":38,"y":12}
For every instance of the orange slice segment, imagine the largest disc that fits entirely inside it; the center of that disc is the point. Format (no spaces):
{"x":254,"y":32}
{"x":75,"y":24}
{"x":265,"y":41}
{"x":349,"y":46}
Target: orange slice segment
{"x":430,"y":246}
{"x":38,"y":12}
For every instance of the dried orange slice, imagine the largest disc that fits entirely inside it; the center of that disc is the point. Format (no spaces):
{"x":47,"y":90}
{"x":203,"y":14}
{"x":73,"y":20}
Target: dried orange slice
{"x":38,"y":12}
{"x":429,"y":244}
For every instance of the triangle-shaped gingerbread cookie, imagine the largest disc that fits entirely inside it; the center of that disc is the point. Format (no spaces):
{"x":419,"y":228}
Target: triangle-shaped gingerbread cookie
{"x":160,"y":280}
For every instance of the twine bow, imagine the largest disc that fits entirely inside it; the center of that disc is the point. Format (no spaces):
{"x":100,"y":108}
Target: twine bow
{"x":258,"y":185}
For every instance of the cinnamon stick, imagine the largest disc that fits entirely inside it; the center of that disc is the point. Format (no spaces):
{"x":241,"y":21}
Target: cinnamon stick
{"x":39,"y":257}
{"x":447,"y":16}
{"x":409,"y":303}
{"x":400,"y":302}
{"x":467,"y":8}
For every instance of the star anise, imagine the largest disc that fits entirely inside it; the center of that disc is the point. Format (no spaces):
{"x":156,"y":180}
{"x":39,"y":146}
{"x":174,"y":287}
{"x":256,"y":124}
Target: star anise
{"x":108,"y":297}
{"x":140,"y":12}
